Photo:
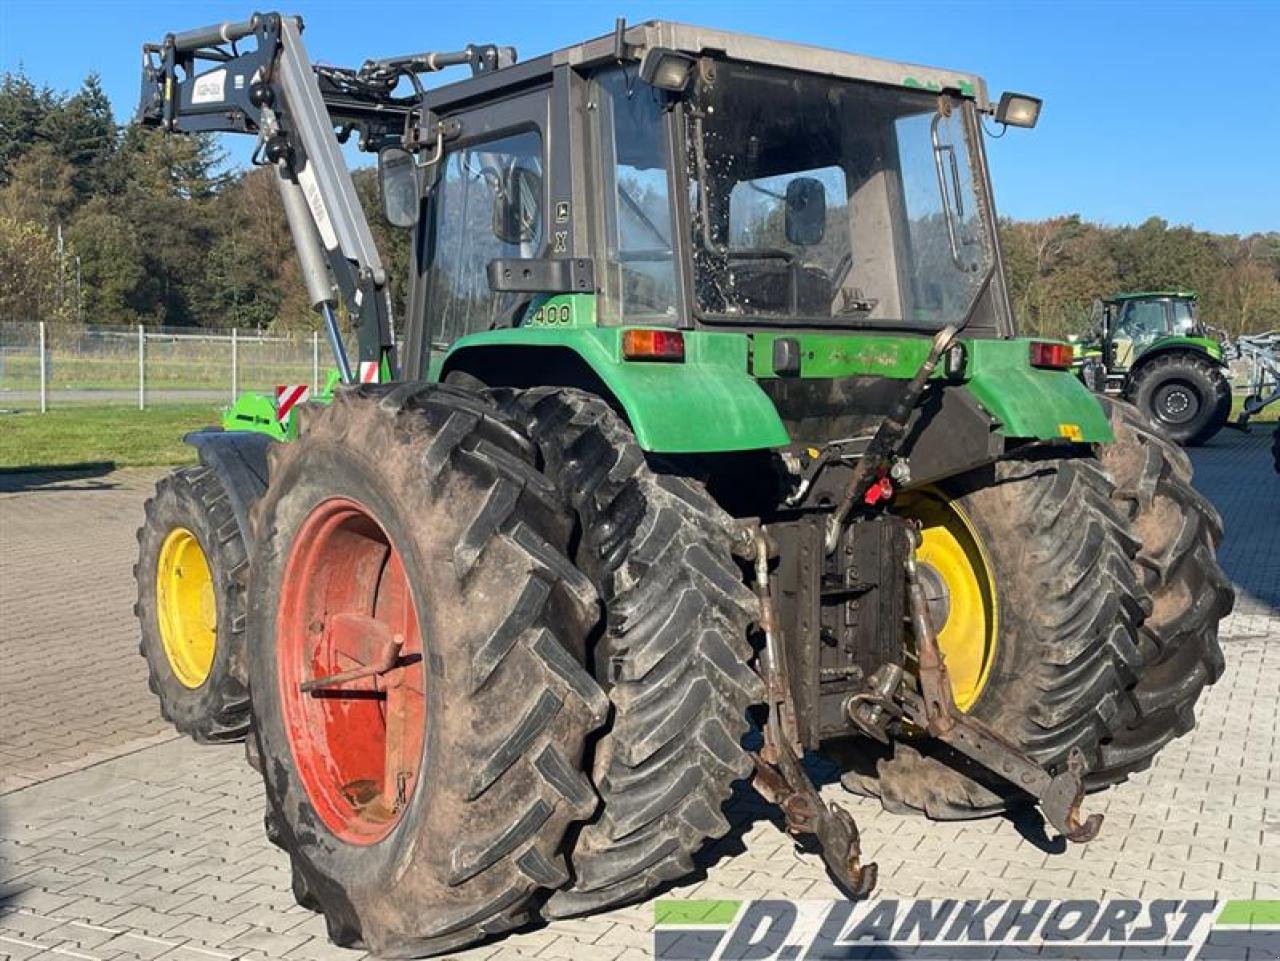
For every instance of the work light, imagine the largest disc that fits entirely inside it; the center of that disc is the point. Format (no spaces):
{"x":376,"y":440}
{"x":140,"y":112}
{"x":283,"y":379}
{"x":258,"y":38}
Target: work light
{"x":666,"y":69}
{"x":1018,"y":109}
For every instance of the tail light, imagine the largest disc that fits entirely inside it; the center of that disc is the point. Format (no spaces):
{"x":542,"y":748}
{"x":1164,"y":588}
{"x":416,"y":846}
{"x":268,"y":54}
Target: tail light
{"x":653,"y":345}
{"x":1047,"y":354}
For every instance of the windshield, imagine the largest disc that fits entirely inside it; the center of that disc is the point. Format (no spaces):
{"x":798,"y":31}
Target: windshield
{"x":832,"y":202}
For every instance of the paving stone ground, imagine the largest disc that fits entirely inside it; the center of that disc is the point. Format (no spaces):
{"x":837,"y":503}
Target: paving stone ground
{"x":119,"y":841}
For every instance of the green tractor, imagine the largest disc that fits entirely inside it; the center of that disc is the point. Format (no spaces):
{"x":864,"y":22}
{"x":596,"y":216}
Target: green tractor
{"x":705,"y":441}
{"x":1151,"y":350}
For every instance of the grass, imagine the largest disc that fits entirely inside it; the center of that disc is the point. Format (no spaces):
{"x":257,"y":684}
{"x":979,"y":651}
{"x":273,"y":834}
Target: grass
{"x":1268,"y":415}
{"x":151,"y":438}
{"x":117,"y":435}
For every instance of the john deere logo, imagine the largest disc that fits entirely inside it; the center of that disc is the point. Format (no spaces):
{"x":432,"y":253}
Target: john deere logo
{"x":966,"y":930}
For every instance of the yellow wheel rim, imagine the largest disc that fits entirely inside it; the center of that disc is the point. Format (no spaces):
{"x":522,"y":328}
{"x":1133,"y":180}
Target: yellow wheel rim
{"x":186,"y":607}
{"x":957,"y":578}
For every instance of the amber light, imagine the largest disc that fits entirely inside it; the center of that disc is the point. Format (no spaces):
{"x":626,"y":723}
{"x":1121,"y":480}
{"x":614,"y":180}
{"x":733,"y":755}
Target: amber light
{"x":1044,"y":354}
{"x":653,"y":345}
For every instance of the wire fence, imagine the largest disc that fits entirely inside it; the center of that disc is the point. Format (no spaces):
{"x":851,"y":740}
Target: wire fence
{"x":44,"y":366}
{"x":146,"y":367}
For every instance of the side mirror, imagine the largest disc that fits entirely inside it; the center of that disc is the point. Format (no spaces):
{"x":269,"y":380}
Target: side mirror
{"x":806,"y":214}
{"x":517,"y":207}
{"x":398,"y":182}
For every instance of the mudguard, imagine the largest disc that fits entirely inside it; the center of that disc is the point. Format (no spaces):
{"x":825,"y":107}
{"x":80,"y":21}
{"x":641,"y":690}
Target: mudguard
{"x":707,"y":403}
{"x":239,"y":458}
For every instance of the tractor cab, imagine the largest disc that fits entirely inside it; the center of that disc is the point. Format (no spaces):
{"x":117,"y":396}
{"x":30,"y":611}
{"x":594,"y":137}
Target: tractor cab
{"x":1134,"y":323}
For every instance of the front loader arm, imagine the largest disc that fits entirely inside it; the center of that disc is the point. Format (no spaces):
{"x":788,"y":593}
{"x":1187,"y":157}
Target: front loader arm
{"x":200,"y":81}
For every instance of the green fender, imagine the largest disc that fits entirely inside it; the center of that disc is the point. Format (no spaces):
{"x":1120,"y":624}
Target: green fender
{"x":1205,"y":345}
{"x":708,"y":403}
{"x":1026,"y":402}
{"x":1030,"y":402}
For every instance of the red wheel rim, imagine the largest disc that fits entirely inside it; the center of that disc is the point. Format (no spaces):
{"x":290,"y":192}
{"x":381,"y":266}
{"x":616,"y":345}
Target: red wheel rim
{"x":346,"y":609}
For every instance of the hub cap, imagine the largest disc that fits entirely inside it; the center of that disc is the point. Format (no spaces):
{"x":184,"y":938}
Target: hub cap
{"x":1177,"y":403}
{"x":186,"y":608}
{"x":346,"y":608}
{"x":958,"y":584}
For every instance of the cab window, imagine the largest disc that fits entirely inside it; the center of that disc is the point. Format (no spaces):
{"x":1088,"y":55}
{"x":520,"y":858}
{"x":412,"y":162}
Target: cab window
{"x":487,"y":205}
{"x":1142,"y":320}
{"x":639,"y":260}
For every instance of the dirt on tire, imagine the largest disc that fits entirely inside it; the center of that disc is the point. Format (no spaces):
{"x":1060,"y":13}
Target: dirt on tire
{"x":673,"y":657}
{"x":504,"y":620}
{"x":1178,"y":531}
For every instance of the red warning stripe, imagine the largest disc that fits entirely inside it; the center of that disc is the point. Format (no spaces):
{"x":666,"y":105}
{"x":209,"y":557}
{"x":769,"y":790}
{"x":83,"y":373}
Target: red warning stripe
{"x":289,"y":396}
{"x":369,"y":372}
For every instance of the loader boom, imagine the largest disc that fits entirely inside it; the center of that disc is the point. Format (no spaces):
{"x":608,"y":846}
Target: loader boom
{"x":199,"y":81}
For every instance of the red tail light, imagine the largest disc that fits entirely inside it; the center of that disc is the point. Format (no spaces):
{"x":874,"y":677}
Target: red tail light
{"x":1046,"y":354}
{"x":653,"y":345}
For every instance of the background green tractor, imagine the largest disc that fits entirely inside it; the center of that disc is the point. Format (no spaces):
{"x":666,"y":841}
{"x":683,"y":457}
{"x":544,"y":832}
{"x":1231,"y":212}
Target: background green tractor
{"x":706,"y":440}
{"x":1152,"y":350}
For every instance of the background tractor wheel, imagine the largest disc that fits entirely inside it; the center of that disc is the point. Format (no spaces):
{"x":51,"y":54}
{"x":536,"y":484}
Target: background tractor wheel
{"x":1178,"y":531}
{"x":1035,"y":562}
{"x":190,"y":608}
{"x":1185,"y":395}
{"x":673,"y":656}
{"x":407,"y":541}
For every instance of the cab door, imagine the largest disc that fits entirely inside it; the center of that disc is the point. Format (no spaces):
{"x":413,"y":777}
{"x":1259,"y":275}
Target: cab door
{"x":489,"y":201}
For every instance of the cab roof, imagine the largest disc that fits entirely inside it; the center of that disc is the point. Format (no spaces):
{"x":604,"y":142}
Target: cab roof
{"x":697,"y":41}
{"x":1150,"y":294}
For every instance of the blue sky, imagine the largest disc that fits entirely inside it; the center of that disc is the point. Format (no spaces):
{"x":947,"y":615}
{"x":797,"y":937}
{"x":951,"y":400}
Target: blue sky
{"x":1164,"y":108}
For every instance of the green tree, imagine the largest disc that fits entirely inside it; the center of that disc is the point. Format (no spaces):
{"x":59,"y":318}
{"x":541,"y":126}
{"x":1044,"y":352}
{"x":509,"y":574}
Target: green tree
{"x":81,"y":130}
{"x":23,"y":108}
{"x":113,"y":265}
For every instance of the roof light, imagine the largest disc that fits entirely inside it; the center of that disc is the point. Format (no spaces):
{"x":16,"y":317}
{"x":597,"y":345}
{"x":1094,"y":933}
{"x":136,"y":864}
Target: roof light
{"x":1018,"y":109}
{"x":666,"y":69}
{"x":653,"y":345}
{"x":1047,"y":354}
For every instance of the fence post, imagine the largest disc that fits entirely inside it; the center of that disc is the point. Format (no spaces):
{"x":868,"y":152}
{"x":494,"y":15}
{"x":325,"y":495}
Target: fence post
{"x":235,"y":364}
{"x":315,"y":361}
{"x":142,"y":368}
{"x":44,"y":386}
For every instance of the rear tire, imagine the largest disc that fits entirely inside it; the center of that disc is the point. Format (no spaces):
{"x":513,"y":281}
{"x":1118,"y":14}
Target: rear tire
{"x":1065,"y":656}
{"x":478,"y":828}
{"x":1185,"y":395}
{"x":1178,"y":532}
{"x":673,"y":657}
{"x":207,"y":700}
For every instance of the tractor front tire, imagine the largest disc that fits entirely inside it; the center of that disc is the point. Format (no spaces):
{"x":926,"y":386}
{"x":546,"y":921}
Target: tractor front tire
{"x":1178,"y":532}
{"x":1186,"y":395}
{"x":1065,"y":658}
{"x":424,"y":800}
{"x":673,"y":657}
{"x":190,"y":607}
